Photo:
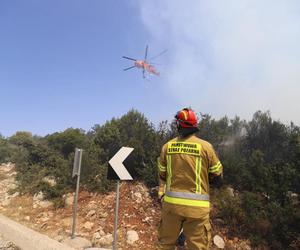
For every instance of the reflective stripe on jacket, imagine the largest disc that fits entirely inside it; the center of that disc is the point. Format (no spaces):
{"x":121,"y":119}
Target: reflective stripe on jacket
{"x":185,"y":164}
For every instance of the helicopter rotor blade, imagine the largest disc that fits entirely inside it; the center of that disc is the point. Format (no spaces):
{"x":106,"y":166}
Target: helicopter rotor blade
{"x":129,"y":58}
{"x":146,"y":52}
{"x":164,"y":51}
{"x":129,"y":68}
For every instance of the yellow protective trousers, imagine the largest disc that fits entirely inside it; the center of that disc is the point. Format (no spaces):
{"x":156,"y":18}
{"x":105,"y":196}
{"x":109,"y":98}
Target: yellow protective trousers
{"x":196,"y":230}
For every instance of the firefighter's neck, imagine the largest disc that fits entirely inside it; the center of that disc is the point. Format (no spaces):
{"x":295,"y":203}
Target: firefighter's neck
{"x":186,"y":132}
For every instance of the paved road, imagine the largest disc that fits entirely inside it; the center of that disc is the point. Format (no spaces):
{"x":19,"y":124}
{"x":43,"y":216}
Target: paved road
{"x":26,"y":238}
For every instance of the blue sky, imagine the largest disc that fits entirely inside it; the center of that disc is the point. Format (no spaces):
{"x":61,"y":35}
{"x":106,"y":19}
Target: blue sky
{"x":61,"y":62}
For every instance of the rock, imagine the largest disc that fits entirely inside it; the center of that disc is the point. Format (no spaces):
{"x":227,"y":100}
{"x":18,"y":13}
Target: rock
{"x":102,"y":222}
{"x":44,"y":219}
{"x":293,"y":197}
{"x":92,"y":205}
{"x":66,"y":221}
{"x":84,"y":234}
{"x":131,"y":237}
{"x":69,"y":200}
{"x":50,"y":214}
{"x":96,"y":236}
{"x":27,"y":218}
{"x":7,"y":167}
{"x":59,"y":238}
{"x":100,"y":231}
{"x":103,"y":214}
{"x":50,"y":180}
{"x":88,"y":225}
{"x":44,"y":225}
{"x":137,"y":197}
{"x":147,"y":219}
{"x":77,"y":242}
{"x":7,"y":245}
{"x":219,"y":242}
{"x":142,"y":188}
{"x":5,"y":202}
{"x":244,"y":246}
{"x":39,"y":196}
{"x":91,"y":213}
{"x":15,"y":194}
{"x":45,"y":204}
{"x":106,"y":240}
{"x":230,"y":191}
{"x":12,"y":186}
{"x":42,"y":215}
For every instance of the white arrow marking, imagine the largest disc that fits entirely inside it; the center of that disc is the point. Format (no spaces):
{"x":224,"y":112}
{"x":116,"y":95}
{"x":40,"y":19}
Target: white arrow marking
{"x":116,"y":163}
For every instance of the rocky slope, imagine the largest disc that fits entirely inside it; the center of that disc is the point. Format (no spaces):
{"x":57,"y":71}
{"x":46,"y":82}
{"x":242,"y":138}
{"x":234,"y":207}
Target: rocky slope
{"x":138,"y":218}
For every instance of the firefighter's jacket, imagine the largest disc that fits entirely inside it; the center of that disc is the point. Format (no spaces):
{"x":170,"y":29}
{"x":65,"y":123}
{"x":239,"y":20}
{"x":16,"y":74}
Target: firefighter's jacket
{"x":161,"y":188}
{"x":185,"y":164}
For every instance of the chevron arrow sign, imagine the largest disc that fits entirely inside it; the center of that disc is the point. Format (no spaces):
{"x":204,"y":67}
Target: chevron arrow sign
{"x":116,"y":162}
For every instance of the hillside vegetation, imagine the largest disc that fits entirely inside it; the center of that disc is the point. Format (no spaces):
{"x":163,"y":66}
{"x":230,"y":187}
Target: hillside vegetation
{"x":261,"y":160}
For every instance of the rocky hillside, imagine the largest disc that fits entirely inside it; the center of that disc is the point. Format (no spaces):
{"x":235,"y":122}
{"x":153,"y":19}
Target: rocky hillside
{"x":138,"y":218}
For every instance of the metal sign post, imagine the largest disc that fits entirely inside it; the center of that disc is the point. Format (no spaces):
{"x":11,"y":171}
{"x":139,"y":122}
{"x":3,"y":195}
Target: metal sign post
{"x":76,"y":171}
{"x":116,"y":162}
{"x":116,"y":217}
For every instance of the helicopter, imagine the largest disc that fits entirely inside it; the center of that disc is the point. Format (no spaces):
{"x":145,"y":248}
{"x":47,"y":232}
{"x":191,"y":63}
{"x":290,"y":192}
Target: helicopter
{"x":144,"y":64}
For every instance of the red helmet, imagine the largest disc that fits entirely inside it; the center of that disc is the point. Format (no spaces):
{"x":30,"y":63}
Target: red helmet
{"x":186,"y":118}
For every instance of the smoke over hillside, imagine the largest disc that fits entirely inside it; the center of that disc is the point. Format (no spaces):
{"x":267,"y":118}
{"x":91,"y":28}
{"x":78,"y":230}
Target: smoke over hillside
{"x":230,"y":57}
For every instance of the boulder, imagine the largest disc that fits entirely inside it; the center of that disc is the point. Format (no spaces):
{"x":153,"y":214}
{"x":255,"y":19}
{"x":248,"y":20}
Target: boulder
{"x":88,"y":225}
{"x":131,"y":237}
{"x":105,"y":241}
{"x":219,"y":242}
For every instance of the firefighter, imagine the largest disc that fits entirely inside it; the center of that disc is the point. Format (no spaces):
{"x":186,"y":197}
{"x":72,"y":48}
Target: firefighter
{"x":186,"y":164}
{"x":180,"y":242}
